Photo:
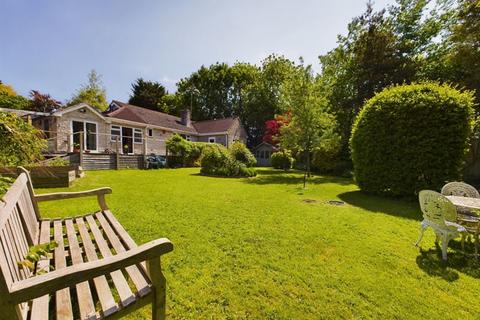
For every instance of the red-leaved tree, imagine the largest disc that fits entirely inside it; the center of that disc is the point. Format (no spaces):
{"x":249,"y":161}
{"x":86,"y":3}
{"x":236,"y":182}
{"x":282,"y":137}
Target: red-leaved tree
{"x":272,"y":128}
{"x":43,"y":102}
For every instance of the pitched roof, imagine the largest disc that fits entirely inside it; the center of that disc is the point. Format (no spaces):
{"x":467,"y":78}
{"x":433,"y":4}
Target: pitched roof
{"x":219,"y":125}
{"x":137,"y":114}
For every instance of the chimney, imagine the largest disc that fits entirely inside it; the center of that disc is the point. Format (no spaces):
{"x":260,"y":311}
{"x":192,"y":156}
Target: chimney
{"x":186,"y":117}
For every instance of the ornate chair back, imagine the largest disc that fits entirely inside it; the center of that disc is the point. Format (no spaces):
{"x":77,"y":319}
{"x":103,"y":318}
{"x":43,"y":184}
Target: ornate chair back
{"x":437,"y":208}
{"x":460,"y":189}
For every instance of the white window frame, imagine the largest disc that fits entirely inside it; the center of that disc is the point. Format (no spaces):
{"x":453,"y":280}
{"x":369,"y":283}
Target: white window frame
{"x":188,"y":138}
{"x":116,"y":128}
{"x":137,"y":131}
{"x":84,"y":134}
{"x":212,"y":140}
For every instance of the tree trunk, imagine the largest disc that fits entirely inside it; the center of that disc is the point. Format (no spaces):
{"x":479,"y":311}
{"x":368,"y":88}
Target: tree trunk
{"x":307,"y":168}
{"x":308,"y":164}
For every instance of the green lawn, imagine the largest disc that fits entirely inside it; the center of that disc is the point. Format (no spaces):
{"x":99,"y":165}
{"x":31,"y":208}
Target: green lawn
{"x":253,"y":248}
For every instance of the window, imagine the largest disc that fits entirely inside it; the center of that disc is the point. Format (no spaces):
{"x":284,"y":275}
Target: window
{"x":137,"y":136}
{"x":46,"y":128}
{"x":267,"y":154}
{"x":89,"y":130}
{"x":261,"y":155}
{"x":188,"y":138}
{"x":211,"y":139}
{"x":115,"y":133}
{"x":150,"y":132}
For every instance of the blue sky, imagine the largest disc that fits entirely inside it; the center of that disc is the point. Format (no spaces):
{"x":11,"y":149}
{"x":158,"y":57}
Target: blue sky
{"x":52,"y":45}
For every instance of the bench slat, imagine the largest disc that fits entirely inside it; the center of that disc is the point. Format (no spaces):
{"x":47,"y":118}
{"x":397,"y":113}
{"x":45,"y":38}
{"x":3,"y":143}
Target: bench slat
{"x":9,"y":274}
{"x":123,"y":234}
{"x":63,"y":299}
{"x":12,"y":247}
{"x":28,"y":215}
{"x":104,"y":294}
{"x":20,"y":240}
{"x":126,"y":295}
{"x":40,"y":305}
{"x":85,"y":300}
{"x":143,"y":288}
{"x":19,"y":233}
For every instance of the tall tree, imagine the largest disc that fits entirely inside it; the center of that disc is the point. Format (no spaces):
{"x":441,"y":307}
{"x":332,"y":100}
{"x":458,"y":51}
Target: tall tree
{"x":244,"y":90}
{"x":462,"y":54}
{"x":10,"y":99}
{"x":311,"y":125}
{"x":93,"y":92}
{"x":262,"y":100}
{"x":149,"y":95}
{"x":381,"y":48}
{"x":6,"y":89}
{"x":208,"y":91}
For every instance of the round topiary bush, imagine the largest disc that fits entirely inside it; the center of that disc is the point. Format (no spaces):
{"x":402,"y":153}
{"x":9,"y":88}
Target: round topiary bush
{"x":411,"y":137}
{"x":282,"y":160}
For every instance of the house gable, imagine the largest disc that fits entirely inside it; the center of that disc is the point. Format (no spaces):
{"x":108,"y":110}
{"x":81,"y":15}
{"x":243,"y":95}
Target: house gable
{"x":79,"y":107}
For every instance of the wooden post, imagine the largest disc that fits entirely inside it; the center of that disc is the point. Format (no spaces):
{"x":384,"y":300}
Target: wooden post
{"x":117,"y":154}
{"x":81,"y":148}
{"x":69,"y":142}
{"x":145,"y":137}
{"x":160,"y":287}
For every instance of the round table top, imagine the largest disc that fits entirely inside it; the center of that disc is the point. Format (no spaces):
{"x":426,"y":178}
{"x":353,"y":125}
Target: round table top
{"x":465,"y":202}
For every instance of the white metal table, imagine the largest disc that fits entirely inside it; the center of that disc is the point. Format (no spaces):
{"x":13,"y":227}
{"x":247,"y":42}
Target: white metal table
{"x":471,"y":222}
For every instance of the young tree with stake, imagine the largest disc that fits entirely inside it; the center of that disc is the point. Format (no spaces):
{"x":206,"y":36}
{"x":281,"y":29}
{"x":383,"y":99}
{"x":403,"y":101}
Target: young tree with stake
{"x":311,"y":126}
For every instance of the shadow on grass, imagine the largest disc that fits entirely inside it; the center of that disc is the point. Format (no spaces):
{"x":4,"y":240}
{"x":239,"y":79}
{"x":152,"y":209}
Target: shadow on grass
{"x":430,"y":261}
{"x":293,"y":178}
{"x":374,"y":203}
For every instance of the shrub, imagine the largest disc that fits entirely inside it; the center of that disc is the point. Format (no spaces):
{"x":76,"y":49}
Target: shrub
{"x":214,"y":158}
{"x":58,"y":162}
{"x":14,"y":102}
{"x":5,"y":183}
{"x":184,"y":153}
{"x":20,"y":142}
{"x":411,"y":137}
{"x":327,"y":158}
{"x":241,"y":153}
{"x":282,"y":160}
{"x":217,"y":160}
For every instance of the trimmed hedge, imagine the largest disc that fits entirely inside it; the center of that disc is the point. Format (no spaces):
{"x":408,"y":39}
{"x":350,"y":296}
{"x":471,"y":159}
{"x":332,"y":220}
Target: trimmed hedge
{"x":411,"y":137}
{"x":282,"y":160}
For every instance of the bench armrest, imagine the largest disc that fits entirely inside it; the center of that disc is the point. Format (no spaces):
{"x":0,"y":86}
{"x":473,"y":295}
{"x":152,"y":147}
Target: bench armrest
{"x":50,"y":282}
{"x":100,"y":193}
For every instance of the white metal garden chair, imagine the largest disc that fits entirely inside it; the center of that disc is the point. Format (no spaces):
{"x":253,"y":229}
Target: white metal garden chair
{"x":438,"y":213}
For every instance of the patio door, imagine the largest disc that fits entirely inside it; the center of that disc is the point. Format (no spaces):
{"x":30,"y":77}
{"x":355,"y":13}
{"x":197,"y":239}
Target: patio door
{"x":89,"y":130}
{"x":127,"y":140}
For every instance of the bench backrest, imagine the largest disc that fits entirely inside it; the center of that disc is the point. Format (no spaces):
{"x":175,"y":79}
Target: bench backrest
{"x":19,"y":229}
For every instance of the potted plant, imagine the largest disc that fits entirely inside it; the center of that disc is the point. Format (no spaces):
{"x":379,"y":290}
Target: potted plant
{"x":76,"y":147}
{"x":125,"y":149}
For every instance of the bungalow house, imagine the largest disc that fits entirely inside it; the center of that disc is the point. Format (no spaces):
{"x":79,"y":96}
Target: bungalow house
{"x":127,"y":128}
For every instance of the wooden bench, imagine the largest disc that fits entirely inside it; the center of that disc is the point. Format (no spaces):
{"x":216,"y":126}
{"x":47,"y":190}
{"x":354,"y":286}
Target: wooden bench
{"x":98,"y":271}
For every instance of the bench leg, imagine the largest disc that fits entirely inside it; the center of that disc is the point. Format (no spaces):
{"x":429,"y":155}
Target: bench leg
{"x":160,"y":288}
